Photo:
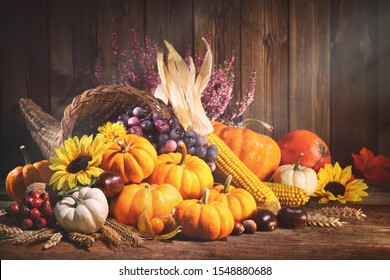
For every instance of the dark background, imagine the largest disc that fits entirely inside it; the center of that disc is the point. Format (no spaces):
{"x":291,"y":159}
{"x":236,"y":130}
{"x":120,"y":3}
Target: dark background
{"x":321,"y":65}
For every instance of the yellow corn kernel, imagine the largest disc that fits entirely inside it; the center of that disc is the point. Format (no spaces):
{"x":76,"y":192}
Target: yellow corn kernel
{"x":288,"y":195}
{"x":242,"y":177}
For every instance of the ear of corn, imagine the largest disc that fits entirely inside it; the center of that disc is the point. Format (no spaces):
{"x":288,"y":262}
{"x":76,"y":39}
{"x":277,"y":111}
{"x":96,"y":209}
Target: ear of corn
{"x":242,"y":177}
{"x":289,"y":195}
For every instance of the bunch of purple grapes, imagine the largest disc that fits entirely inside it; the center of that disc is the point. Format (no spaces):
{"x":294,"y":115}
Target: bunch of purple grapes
{"x":165,"y":135}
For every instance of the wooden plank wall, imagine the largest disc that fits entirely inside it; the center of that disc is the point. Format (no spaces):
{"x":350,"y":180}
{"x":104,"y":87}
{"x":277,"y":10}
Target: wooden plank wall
{"x":321,"y":65}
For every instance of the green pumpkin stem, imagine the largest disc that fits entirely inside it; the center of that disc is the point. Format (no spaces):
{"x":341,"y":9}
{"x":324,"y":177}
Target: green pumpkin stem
{"x":205,"y":196}
{"x":226,"y":186}
{"x":183,"y":153}
{"x":296,"y":166}
{"x":247,"y":122}
{"x":25,"y":155}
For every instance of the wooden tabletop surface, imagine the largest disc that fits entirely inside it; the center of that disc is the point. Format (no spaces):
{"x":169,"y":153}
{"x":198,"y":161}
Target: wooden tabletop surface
{"x":368,"y":239}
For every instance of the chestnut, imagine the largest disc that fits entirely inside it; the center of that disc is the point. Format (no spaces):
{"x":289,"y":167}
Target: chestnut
{"x":238,"y":228}
{"x":265,"y":220}
{"x":249,"y":226}
{"x":291,"y":217}
{"x":110,"y":183}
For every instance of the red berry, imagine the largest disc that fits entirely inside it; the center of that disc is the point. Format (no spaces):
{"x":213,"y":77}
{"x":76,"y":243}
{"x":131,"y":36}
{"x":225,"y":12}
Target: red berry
{"x":27,"y":201}
{"x":13,"y":209}
{"x":26,"y":223}
{"x":46,"y":208}
{"x":35,"y":214}
{"x":34,"y":194}
{"x":37,"y":202}
{"x":40,"y":223}
{"x":24,"y":211}
{"x":44,"y":196}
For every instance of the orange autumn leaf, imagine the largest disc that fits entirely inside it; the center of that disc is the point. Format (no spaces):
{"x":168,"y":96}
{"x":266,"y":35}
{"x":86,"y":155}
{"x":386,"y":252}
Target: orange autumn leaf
{"x":374,"y":168}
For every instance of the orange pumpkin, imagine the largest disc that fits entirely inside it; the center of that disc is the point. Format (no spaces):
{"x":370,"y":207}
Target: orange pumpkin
{"x":158,"y":200}
{"x":189,"y":174}
{"x":204,"y":220}
{"x":21,"y":177}
{"x":240,"y":202}
{"x":258,"y":151}
{"x":132,"y":157}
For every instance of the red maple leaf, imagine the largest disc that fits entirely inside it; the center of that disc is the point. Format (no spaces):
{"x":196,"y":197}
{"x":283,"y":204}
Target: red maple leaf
{"x":374,"y":168}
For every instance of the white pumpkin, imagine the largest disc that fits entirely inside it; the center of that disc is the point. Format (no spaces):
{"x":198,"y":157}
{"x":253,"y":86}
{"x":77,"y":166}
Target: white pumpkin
{"x":83,"y":211}
{"x":296,"y":175}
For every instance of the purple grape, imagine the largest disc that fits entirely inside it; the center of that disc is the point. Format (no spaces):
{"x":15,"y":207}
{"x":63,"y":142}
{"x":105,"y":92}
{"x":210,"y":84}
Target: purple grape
{"x":174,"y":122}
{"x":124,"y":118}
{"x":212,"y":153}
{"x":139,"y":112}
{"x":162,"y":139}
{"x":212,"y":165}
{"x":189,"y":138}
{"x":176,"y":134}
{"x":201,"y":141}
{"x":170,"y":145}
{"x":122,"y":122}
{"x":201,"y":152}
{"x":136,"y":130}
{"x":133,"y":121}
{"x":162,"y":127}
{"x":191,"y":150}
{"x":157,"y":115}
{"x":151,"y":137}
{"x":147,"y":126}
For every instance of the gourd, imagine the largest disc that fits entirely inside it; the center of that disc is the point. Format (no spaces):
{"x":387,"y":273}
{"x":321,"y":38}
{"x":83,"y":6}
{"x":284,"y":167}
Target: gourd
{"x":20,"y":177}
{"x":259,"y":152}
{"x":83,"y":211}
{"x":132,"y":157}
{"x":188,"y":174}
{"x":157,"y":200}
{"x":296,"y":175}
{"x":240,"y":202}
{"x":204,"y":220}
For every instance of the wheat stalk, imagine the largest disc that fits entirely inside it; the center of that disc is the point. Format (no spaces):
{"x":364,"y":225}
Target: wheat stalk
{"x":126,"y":232}
{"x":53,"y":241}
{"x":318,"y":220}
{"x":9,"y":232}
{"x":341,"y":212}
{"x":84,"y":240}
{"x":29,"y":237}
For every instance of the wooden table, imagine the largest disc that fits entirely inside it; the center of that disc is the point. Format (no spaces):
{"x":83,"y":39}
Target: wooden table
{"x":369,"y":239}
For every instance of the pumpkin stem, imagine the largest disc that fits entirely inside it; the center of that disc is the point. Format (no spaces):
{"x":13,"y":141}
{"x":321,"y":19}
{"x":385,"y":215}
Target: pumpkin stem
{"x":247,"y":122}
{"x":226,"y":186}
{"x":296,"y":166}
{"x":124,"y":148}
{"x":77,"y":201}
{"x":25,"y":155}
{"x":183,"y":153}
{"x":205,"y":196}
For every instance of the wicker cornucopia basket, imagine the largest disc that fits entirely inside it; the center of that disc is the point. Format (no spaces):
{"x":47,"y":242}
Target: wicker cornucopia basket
{"x":85,"y":114}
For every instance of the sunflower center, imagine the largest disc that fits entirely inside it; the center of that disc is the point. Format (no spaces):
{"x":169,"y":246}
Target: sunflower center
{"x":78,"y":164}
{"x":335,"y":188}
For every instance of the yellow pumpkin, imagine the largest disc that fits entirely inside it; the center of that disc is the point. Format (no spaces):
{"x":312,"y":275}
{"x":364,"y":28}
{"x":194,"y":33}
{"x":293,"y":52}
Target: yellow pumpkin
{"x":204,"y":220}
{"x":260,"y":153}
{"x":21,"y":177}
{"x":132,"y":157}
{"x":158,"y":200}
{"x":240,"y":202}
{"x":189,"y":174}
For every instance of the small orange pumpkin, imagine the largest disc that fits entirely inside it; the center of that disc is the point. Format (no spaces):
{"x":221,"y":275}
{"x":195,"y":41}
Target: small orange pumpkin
{"x":240,"y":202}
{"x":204,"y":220}
{"x":189,"y":174}
{"x":158,"y":200}
{"x":21,"y":177}
{"x":259,"y":152}
{"x":132,"y":157}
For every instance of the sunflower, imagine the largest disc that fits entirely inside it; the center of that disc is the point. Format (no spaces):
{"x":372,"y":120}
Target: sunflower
{"x":335,"y":183}
{"x":77,"y":162}
{"x":112,"y":130}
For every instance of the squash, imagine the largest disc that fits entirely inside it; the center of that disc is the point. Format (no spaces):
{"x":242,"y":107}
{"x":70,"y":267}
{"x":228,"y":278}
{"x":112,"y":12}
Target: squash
{"x":296,"y":175}
{"x":240,"y":202}
{"x":204,"y":220}
{"x":83,"y":211}
{"x":132,"y":157}
{"x":158,"y":200}
{"x":259,"y":152}
{"x":20,"y":177}
{"x":294,"y":143}
{"x":189,"y":174}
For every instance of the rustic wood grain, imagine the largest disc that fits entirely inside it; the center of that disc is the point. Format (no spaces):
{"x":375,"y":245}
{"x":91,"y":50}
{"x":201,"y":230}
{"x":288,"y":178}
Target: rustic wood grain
{"x":353,"y":74}
{"x":356,"y":240}
{"x":265,"y":50}
{"x":309,"y":66}
{"x":170,"y":20}
{"x":222,"y":19}
{"x":383,"y":61}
